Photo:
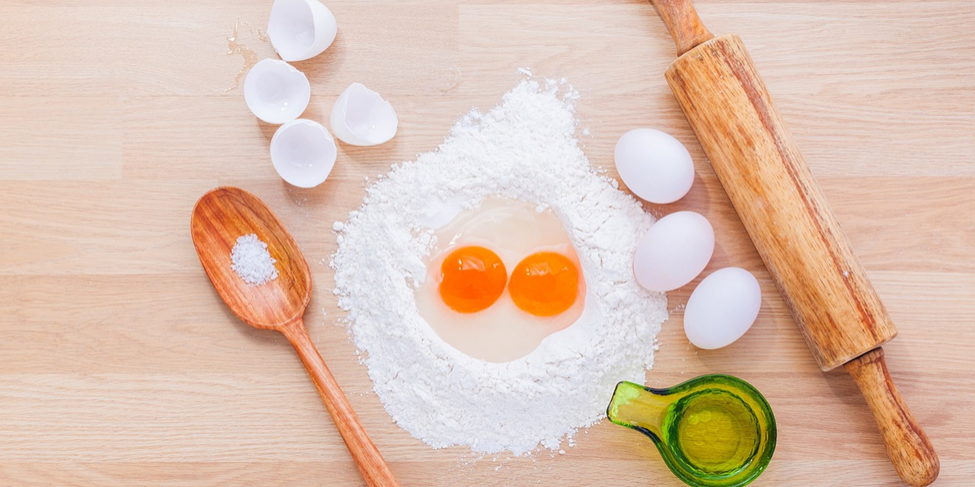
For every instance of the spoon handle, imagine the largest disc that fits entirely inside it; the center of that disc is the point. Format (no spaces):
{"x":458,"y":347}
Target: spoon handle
{"x":367,"y":457}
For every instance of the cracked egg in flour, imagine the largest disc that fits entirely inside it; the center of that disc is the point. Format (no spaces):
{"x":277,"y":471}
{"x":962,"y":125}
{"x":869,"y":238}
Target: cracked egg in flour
{"x":501,"y":278}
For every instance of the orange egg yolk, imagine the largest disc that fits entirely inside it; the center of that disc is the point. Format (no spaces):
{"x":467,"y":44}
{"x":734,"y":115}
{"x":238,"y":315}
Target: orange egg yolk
{"x":473,"y":279}
{"x":544,"y":284}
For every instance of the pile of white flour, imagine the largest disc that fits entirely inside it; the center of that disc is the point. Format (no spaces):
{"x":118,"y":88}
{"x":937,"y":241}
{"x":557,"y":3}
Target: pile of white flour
{"x":526,"y":149}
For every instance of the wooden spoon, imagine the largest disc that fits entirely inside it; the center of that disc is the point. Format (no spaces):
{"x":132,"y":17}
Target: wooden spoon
{"x":219,"y":218}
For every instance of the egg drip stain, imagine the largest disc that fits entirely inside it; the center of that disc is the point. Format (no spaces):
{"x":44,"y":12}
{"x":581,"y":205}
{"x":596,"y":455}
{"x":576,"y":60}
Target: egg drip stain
{"x":250,"y":57}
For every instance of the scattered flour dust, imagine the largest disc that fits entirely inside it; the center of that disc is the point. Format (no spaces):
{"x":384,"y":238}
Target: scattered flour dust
{"x":524,"y":148}
{"x":251,"y":261}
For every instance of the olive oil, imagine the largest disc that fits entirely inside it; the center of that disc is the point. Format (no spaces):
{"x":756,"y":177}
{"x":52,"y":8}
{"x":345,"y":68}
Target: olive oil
{"x":714,"y":430}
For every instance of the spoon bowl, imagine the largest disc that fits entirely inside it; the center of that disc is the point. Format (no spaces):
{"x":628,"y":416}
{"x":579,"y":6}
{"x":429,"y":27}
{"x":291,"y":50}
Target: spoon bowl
{"x":219,"y":218}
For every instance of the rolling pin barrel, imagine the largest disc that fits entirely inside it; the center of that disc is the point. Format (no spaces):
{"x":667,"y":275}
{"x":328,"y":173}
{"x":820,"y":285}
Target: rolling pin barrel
{"x":787,"y":217}
{"x":780,"y":205}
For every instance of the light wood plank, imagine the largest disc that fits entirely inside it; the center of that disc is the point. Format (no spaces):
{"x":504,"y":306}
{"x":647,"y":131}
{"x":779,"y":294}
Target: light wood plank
{"x":119,"y":365}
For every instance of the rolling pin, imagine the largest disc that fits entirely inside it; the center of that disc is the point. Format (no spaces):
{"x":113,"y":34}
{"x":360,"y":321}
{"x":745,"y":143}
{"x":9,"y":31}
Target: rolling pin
{"x":787,"y":218}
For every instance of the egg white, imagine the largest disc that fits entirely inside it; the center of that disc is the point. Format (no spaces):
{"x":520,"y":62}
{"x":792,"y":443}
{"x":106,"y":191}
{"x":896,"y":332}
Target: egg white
{"x":514,"y":230}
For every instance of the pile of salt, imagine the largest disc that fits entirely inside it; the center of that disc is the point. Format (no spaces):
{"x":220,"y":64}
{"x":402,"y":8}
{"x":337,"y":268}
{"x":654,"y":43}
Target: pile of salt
{"x":251,"y":260}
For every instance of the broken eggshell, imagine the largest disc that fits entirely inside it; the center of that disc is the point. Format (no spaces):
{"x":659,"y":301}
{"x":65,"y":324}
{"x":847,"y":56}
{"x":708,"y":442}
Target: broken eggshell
{"x":300,"y":29}
{"x":303,"y":153}
{"x":276,"y":92}
{"x":361,"y":117}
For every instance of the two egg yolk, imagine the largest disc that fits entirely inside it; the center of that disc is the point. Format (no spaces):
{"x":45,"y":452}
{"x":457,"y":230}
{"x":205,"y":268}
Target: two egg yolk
{"x":543,"y":284}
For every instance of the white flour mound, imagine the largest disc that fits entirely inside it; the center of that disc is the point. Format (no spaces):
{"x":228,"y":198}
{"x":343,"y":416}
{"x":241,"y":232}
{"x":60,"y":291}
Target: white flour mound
{"x":525,"y":149}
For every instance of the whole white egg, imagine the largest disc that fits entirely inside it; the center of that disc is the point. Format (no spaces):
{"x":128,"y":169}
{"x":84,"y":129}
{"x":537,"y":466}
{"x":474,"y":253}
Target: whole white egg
{"x":654,"y":165}
{"x":722,"y":308}
{"x":674,"y":251}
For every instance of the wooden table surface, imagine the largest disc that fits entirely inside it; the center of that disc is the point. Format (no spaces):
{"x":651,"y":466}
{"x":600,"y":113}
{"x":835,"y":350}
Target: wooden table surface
{"x":119,"y":365}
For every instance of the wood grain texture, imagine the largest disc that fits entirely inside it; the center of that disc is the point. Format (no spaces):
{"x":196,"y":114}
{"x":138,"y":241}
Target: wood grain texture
{"x":908,"y":447}
{"x":807,"y":254}
{"x":683,"y":23}
{"x":120,"y":366}
{"x":785,"y":213}
{"x":373,"y":468}
{"x":220,"y":217}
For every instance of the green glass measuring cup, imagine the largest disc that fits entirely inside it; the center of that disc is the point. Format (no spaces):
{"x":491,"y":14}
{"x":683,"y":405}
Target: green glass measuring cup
{"x":712,"y":431}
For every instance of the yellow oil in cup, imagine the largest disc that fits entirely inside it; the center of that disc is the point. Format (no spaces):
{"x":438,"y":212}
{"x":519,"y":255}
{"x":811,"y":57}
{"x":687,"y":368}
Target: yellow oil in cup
{"x":712,"y":431}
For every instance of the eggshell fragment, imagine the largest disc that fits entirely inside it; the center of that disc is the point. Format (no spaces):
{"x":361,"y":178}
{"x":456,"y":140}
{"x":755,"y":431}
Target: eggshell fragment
{"x":276,"y":92}
{"x":361,"y":117}
{"x":300,"y":29}
{"x":722,"y":308}
{"x":674,"y":251}
{"x":654,"y":165}
{"x":303,"y":153}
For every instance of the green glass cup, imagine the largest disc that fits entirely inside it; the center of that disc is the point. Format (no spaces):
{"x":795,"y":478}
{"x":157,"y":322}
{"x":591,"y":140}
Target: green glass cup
{"x":712,"y":431}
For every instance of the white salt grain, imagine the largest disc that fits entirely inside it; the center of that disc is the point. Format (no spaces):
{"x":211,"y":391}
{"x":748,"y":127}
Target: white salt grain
{"x":251,"y":260}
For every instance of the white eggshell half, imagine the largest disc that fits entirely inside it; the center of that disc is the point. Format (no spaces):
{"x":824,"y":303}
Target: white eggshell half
{"x":654,"y":165}
{"x":674,"y":251}
{"x":276,"y":92}
{"x":722,"y":308}
{"x":361,"y":117}
{"x":303,"y":153}
{"x":300,"y":29}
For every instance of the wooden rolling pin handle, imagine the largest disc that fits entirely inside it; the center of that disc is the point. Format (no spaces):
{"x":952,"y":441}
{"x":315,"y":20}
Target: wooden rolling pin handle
{"x":370,"y":462}
{"x":907,"y":446}
{"x":683,"y":23}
